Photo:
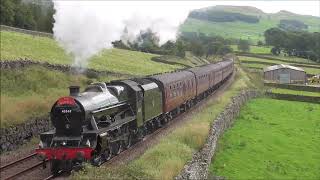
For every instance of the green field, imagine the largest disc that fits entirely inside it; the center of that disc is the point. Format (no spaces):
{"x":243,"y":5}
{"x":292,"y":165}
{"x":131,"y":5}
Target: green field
{"x":314,"y":70}
{"x":243,"y":30}
{"x":15,"y":46}
{"x":292,"y":59}
{"x":296,"y":61}
{"x":271,"y":139}
{"x":255,"y":49}
{"x":295,"y":92}
{"x":167,"y":158}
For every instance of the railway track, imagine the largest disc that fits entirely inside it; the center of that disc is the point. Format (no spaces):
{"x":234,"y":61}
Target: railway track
{"x":20,"y":167}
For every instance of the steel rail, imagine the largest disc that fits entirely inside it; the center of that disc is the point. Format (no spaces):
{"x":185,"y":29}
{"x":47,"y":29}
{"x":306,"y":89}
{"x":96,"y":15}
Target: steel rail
{"x":17,"y":161}
{"x":26,"y":170}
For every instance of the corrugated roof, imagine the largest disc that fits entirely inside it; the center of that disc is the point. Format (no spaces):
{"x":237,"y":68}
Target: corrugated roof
{"x":280,"y":66}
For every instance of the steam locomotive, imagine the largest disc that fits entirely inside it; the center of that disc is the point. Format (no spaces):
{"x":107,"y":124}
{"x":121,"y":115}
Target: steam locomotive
{"x":106,"y":118}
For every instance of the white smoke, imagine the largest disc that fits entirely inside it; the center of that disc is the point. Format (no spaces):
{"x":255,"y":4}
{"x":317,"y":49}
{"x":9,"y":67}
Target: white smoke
{"x":84,"y":28}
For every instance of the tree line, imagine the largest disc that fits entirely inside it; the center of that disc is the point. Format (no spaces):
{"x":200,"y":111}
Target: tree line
{"x":294,"y":43}
{"x":199,"y":44}
{"x":27,"y":14}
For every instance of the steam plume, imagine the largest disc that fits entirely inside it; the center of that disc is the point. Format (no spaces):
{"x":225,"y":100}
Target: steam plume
{"x":84,"y":28}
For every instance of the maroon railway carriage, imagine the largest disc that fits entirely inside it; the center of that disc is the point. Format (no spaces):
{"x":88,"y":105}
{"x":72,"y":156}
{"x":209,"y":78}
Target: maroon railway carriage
{"x":202,"y":75}
{"x":178,"y":88}
{"x":216,"y":74}
{"x":226,"y":67}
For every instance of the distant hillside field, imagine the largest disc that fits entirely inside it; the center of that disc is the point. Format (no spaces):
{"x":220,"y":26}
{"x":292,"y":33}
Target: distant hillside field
{"x":236,"y":26}
{"x":15,"y":46}
{"x":260,"y":63}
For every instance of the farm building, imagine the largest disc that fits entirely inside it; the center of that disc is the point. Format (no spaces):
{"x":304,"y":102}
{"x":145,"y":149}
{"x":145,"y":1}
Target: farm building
{"x":284,"y":74}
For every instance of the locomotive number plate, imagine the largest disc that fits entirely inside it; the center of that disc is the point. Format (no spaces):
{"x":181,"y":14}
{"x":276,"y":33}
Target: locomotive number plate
{"x":66,"y":111}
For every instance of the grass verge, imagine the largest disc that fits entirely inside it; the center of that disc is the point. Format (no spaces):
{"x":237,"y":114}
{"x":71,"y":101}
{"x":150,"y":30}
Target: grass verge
{"x":23,"y":97}
{"x":272,"y":139}
{"x":167,"y":158}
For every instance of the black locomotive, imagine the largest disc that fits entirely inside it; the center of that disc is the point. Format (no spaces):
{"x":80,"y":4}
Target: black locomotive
{"x":106,"y":118}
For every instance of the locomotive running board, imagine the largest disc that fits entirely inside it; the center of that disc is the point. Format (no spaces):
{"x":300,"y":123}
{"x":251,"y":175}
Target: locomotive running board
{"x":110,"y":107}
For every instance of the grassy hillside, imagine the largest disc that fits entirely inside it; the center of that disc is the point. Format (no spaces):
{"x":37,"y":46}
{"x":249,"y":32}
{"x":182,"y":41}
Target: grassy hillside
{"x":16,"y":45}
{"x":271,"y":139}
{"x":240,"y":29}
{"x":23,"y":97}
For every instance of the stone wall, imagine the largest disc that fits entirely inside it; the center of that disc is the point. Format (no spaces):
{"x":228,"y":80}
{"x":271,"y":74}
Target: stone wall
{"x":21,"y":63}
{"x":294,"y":87}
{"x":197,"y":168}
{"x":293,"y":97}
{"x":12,"y":137}
{"x":268,"y":57}
{"x":25,"y":31}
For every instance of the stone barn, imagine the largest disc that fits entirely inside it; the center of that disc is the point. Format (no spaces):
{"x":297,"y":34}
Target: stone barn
{"x":285,"y":74}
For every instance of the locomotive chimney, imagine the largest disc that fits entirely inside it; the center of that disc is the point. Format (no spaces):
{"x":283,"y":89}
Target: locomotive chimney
{"x":74,"y":90}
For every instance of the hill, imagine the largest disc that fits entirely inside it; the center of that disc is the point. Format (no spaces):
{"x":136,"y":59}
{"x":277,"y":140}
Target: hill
{"x":25,"y":98}
{"x":15,"y":46}
{"x":242,"y":21}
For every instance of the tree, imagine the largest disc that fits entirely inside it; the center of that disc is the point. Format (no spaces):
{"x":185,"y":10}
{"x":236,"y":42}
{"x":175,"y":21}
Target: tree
{"x":169,"y":48}
{"x":213,"y":48}
{"x":197,"y":48}
{"x":24,"y":17}
{"x":7,"y":11}
{"x":244,"y":45}
{"x":275,"y":37}
{"x":259,"y":43}
{"x":275,"y":50}
{"x":224,"y":50}
{"x":181,"y":48}
{"x":28,"y":14}
{"x":147,"y":41}
{"x":301,"y":44}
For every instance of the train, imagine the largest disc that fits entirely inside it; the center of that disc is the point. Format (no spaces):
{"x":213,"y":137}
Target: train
{"x":108,"y":117}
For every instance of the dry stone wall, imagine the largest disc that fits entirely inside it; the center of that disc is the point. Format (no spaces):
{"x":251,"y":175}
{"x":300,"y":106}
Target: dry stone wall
{"x":12,"y":137}
{"x":293,"y":97}
{"x":21,"y":63}
{"x":294,"y":87}
{"x":197,"y":168}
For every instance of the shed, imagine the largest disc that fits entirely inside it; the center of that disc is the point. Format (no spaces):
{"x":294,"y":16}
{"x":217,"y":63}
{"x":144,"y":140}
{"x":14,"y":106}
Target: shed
{"x":285,"y":74}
